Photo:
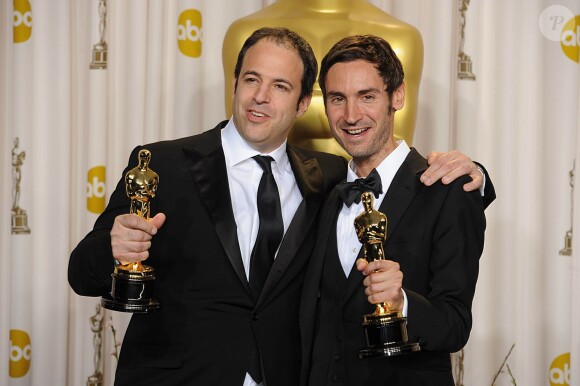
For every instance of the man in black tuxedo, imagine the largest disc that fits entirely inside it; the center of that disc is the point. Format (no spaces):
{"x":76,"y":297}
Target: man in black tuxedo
{"x":205,"y":225}
{"x":434,"y":236}
{"x":214,"y":322}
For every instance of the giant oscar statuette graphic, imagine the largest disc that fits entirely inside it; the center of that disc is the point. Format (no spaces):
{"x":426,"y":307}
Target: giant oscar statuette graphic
{"x":132,"y":289}
{"x":385,"y":329}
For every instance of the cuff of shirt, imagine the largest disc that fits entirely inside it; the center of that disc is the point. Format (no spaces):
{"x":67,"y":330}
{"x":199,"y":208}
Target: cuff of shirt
{"x":482,"y":187}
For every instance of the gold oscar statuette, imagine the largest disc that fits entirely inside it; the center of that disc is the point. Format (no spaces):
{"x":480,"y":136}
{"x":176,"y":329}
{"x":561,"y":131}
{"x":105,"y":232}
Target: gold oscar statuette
{"x":96,"y":378}
{"x":100,"y":50}
{"x":464,"y":64}
{"x":385,"y":329}
{"x":19,"y":216}
{"x":567,"y":250}
{"x":132,"y":288}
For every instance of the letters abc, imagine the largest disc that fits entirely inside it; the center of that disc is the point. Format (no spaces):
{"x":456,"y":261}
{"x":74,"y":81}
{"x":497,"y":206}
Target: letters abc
{"x":20,"y":353}
{"x":189,"y":33}
{"x":22,"y":23}
{"x":96,"y":190}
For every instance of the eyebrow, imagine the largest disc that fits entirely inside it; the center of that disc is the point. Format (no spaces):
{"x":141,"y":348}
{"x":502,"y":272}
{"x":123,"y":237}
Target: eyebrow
{"x":276,"y":80}
{"x":359,"y":92}
{"x":334,"y":93}
{"x":369,"y":90}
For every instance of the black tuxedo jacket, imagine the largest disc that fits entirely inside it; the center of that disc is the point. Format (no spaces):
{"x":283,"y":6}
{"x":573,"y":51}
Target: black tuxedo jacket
{"x":436,"y":234}
{"x":203,"y":332}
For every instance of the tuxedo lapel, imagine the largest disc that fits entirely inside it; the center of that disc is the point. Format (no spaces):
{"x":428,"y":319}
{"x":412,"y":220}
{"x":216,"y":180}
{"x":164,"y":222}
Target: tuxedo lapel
{"x":310,"y":182}
{"x":403,"y":190}
{"x":208,"y":170}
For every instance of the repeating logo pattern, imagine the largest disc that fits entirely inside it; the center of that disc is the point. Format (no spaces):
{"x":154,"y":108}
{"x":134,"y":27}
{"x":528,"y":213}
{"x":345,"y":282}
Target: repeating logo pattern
{"x":20,"y":353}
{"x":100,"y":50}
{"x":96,"y":191}
{"x":22,"y":24}
{"x":558,"y":24}
{"x":19,"y":216}
{"x":570,"y":39}
{"x":567,"y":250}
{"x":464,"y":64}
{"x":560,"y":370}
{"x":189,"y":33}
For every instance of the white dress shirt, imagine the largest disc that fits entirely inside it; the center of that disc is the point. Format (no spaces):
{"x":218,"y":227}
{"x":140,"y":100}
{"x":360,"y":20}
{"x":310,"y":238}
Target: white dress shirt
{"x":244,"y":176}
{"x":347,"y":241}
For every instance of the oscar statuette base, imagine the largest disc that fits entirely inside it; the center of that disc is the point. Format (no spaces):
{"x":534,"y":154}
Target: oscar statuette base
{"x":132,"y":291}
{"x":386,"y":336}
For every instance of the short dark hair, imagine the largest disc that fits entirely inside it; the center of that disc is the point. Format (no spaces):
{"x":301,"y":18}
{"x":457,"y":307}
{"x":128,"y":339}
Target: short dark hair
{"x":372,"y":49}
{"x":286,"y":38}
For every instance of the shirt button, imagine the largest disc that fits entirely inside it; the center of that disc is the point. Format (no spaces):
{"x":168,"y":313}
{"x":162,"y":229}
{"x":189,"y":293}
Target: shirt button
{"x":354,"y":250}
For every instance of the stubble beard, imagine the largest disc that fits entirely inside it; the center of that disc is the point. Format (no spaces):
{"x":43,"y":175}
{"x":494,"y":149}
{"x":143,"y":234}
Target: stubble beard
{"x":370,"y":147}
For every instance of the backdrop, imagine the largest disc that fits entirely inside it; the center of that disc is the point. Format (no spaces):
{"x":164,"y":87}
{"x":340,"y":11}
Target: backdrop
{"x":83,"y":82}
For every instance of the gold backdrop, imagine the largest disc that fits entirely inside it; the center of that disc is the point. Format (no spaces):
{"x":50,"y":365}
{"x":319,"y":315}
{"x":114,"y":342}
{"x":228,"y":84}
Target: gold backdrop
{"x":322,"y":23}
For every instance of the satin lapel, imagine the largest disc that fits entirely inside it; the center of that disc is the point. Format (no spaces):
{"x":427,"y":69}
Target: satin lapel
{"x":310,"y":182}
{"x":208,"y":171}
{"x":403,"y":190}
{"x":401,"y":193}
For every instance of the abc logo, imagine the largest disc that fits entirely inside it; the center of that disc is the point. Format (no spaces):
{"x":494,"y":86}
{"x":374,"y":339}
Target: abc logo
{"x":20,"y":353}
{"x":189,"y":33}
{"x":22,"y":21}
{"x":570,"y":38}
{"x":560,"y":370}
{"x":96,"y":190}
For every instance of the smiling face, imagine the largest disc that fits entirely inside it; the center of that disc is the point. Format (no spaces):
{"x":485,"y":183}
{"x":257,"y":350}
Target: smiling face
{"x":360,"y":112}
{"x":266,"y":95}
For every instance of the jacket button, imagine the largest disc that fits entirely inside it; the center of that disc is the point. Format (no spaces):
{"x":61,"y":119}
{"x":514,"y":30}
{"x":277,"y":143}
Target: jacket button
{"x":255,"y":316}
{"x":334,"y":378}
{"x":336,"y":357}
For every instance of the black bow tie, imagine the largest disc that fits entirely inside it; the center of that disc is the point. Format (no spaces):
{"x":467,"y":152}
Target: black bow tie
{"x":350,"y":191}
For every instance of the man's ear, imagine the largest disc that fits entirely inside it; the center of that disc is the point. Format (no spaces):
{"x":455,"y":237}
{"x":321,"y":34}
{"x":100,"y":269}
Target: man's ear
{"x":303,"y":105}
{"x":234,"y":86}
{"x":398,"y":101}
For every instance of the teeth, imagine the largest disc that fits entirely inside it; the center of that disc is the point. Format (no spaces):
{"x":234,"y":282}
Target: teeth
{"x":254,"y":113}
{"x":357,"y":131}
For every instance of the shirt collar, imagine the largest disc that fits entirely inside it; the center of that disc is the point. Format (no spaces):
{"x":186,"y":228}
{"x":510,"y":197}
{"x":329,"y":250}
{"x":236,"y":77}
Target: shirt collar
{"x":237,"y":150}
{"x":388,"y":167}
